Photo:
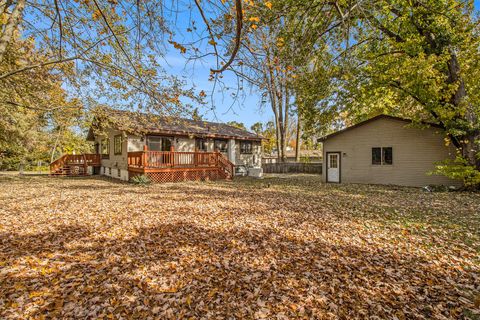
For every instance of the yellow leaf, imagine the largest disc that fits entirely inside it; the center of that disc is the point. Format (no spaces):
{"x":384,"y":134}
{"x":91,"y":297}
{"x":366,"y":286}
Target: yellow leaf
{"x":268,"y":4}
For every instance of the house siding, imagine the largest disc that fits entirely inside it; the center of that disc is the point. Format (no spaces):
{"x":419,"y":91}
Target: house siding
{"x":415,"y":152}
{"x":253,"y":159}
{"x":116,"y":165}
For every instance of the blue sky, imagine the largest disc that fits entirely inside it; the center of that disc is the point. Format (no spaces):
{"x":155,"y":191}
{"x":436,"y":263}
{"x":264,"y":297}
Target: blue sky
{"x":246,"y":107}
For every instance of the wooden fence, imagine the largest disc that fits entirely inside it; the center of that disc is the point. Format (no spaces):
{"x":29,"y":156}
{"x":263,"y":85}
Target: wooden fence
{"x":292,"y":167}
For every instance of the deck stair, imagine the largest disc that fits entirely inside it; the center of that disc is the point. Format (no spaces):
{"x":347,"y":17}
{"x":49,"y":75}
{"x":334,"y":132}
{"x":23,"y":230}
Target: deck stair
{"x":74,"y":165}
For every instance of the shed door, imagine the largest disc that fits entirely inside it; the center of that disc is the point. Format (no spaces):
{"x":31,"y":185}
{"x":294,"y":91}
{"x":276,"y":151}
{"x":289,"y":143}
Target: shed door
{"x":333,"y":167}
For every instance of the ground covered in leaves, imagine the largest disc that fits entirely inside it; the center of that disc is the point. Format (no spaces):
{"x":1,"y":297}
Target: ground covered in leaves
{"x":278,"y":248}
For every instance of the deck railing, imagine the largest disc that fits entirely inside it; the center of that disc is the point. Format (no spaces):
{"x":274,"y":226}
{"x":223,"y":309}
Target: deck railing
{"x":87,"y":159}
{"x":173,"y":159}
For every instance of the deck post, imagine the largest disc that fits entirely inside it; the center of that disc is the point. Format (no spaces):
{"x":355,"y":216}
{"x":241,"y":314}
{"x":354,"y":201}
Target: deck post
{"x":172,"y":156}
{"x":145,"y":157}
{"x":85,"y":166}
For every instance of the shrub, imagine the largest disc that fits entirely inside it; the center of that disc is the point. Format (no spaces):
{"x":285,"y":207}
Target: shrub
{"x":459,"y":169}
{"x":141,"y":180}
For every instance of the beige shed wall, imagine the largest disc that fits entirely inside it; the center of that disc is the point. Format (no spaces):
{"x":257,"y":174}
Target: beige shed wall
{"x":415,"y":152}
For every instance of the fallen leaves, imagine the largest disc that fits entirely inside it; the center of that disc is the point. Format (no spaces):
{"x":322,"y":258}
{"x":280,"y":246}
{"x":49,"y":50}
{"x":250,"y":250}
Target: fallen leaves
{"x":94,"y":248}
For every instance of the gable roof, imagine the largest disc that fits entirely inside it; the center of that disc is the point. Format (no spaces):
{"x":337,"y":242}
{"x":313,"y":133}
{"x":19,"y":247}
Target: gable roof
{"x":135,"y":122}
{"x":382,"y":116}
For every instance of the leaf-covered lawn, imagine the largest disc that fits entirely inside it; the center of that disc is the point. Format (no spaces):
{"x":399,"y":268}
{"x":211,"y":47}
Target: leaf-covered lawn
{"x":278,"y":248}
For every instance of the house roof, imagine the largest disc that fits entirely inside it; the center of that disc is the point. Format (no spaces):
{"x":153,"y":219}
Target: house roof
{"x":382,"y":116}
{"x":143,"y":123}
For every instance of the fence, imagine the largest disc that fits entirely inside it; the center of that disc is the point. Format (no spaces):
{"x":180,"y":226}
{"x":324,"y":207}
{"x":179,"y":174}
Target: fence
{"x":292,"y":167}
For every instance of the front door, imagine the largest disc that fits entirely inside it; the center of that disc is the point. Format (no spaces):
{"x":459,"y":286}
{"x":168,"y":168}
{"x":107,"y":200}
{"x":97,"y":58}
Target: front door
{"x":333,"y":167}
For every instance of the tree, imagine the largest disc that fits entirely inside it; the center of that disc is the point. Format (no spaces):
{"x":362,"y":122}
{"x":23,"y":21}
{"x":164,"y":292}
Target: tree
{"x":257,"y":128}
{"x":236,"y":124}
{"x":419,"y":54}
{"x":39,"y":120}
{"x":196,"y":115}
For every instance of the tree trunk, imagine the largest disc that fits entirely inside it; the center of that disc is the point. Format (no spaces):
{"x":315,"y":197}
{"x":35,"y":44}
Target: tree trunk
{"x":286,"y":120}
{"x":470,"y":143}
{"x":11,"y":26}
{"x":297,"y":142}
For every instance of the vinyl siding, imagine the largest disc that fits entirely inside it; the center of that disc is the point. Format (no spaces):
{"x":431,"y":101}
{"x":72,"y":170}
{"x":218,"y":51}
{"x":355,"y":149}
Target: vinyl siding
{"x":415,"y":152}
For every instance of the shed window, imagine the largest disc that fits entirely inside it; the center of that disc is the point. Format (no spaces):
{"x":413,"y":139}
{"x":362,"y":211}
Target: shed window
{"x":221,"y":145}
{"x":376,"y":155}
{"x":117,"y":144}
{"x":387,"y":155}
{"x":382,"y":155}
{"x":246,"y":147}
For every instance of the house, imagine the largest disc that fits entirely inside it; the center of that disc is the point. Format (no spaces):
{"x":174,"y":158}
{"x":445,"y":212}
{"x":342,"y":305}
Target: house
{"x":386,"y":150}
{"x":168,"y":149}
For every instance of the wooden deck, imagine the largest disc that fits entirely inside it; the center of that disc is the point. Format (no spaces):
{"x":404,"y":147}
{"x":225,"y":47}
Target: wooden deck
{"x":172,"y":166}
{"x":159,"y":166}
{"x":74,"y":164}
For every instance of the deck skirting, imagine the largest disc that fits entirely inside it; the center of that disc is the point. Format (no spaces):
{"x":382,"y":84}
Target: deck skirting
{"x":178,"y":174}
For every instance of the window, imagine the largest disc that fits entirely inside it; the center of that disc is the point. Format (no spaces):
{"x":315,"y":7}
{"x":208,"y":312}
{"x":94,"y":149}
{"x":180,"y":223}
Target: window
{"x":387,"y":155}
{"x":246,"y":147}
{"x":221,"y":145}
{"x":105,"y":148}
{"x":382,"y":156}
{"x":117,"y":144}
{"x":156,"y":143}
{"x":333,"y":161}
{"x":376,"y":155}
{"x":201,"y":144}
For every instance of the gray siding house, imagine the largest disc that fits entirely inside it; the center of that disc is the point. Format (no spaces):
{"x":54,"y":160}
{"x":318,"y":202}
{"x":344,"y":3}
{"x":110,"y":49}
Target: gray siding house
{"x":386,"y":150}
{"x":173,"y":145}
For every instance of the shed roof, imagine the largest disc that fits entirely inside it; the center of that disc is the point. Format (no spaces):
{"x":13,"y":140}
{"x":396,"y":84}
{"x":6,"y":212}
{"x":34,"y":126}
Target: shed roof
{"x":381,"y":116}
{"x":144,"y":123}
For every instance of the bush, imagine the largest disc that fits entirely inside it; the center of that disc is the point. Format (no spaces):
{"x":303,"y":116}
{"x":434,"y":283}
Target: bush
{"x":459,"y":169}
{"x":141,"y":180}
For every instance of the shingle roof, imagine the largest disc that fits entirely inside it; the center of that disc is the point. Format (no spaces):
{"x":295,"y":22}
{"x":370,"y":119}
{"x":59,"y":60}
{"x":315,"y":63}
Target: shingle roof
{"x":154,"y":124}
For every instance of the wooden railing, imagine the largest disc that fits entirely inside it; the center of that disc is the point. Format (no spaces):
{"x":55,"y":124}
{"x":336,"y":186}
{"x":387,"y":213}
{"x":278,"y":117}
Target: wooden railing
{"x":87,"y":159}
{"x":173,"y":159}
{"x":226,"y":166}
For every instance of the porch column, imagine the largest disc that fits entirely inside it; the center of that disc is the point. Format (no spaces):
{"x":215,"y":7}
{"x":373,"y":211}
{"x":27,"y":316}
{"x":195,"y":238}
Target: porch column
{"x":231,"y":150}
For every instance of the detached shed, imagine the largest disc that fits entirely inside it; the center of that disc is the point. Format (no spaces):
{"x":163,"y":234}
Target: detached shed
{"x":386,"y":150}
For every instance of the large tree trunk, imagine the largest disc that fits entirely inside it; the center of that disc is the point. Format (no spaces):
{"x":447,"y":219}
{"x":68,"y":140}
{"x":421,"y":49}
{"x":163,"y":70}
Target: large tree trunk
{"x":470,"y":143}
{"x":286,"y":121}
{"x":10,"y":26}
{"x":297,"y":142}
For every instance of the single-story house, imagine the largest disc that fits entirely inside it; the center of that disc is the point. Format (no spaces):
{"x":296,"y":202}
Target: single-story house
{"x":170,"y":149}
{"x":386,"y":150}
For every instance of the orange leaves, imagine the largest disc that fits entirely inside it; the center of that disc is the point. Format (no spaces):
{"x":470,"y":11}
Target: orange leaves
{"x":278,"y":248}
{"x":268,"y":4}
{"x":178,"y":46}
